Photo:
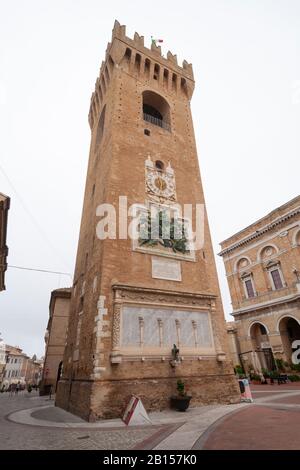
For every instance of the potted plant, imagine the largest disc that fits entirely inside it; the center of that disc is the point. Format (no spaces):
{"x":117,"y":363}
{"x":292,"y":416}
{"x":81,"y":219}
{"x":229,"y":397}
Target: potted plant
{"x":180,"y":401}
{"x":255,"y":379}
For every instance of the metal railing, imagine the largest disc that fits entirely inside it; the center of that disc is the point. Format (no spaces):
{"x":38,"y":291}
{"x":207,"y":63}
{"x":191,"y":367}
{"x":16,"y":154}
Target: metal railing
{"x":271,"y":295}
{"x":157,"y":122}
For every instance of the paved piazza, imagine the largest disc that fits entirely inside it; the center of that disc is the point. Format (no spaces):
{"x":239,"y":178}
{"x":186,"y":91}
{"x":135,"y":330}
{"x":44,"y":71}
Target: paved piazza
{"x":28,"y":421}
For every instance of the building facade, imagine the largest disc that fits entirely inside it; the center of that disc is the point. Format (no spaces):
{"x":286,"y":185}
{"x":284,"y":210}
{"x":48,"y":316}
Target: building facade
{"x":15,"y":367}
{"x":55,"y":338}
{"x":137,"y":294}
{"x":20,"y":368}
{"x":34,"y":371}
{"x":262,"y":265}
{"x":4,"y":206}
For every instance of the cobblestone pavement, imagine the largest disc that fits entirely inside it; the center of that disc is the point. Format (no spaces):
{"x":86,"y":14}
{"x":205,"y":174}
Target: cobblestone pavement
{"x":272,"y":423}
{"x":28,"y":421}
{"x":21,"y":436}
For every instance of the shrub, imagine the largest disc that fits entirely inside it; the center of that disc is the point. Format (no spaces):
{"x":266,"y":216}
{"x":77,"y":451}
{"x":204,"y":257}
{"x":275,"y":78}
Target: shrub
{"x":274,"y":374}
{"x":294,"y":378}
{"x":280,"y":365}
{"x":180,"y":388}
{"x":295,"y":367}
{"x":266,"y":373}
{"x":239,"y":370}
{"x":255,"y":377}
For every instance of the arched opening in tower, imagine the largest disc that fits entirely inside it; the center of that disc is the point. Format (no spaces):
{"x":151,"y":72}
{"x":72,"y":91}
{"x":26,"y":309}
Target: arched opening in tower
{"x":156,"y":110}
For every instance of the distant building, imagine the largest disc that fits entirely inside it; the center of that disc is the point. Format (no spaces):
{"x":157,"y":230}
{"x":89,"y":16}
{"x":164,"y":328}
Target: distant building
{"x":55,"y":338}
{"x":15,"y":367}
{"x":4,"y":206}
{"x":262,"y":265}
{"x":19,"y":367}
{"x":34,"y":371}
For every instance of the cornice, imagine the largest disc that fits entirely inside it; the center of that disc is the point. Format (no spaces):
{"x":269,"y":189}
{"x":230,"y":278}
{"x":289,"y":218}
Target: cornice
{"x":262,"y":231}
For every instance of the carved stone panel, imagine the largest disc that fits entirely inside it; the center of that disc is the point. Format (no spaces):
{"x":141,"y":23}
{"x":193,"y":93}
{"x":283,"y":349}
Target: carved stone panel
{"x":164,"y":327}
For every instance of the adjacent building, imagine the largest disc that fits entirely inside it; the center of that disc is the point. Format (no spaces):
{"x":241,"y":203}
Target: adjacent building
{"x":262,"y":265}
{"x":4,"y":206}
{"x":55,"y":338}
{"x":135,"y":297}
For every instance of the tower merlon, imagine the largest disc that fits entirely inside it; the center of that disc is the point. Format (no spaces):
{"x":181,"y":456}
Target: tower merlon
{"x":137,"y":42}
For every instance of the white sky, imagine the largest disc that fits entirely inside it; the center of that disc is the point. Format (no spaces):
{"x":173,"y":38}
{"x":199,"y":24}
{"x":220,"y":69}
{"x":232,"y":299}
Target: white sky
{"x":246,"y":110}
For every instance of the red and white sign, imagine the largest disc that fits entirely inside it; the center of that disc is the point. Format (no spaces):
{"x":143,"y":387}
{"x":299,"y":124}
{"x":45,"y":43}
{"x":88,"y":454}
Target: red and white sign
{"x":246,"y":395}
{"x":135,"y":412}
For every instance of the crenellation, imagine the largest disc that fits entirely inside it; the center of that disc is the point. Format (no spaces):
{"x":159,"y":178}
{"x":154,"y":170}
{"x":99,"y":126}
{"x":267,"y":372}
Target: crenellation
{"x":107,"y":51}
{"x":188,"y":67}
{"x":118,"y":30}
{"x":172,"y":58}
{"x":139,"y":40}
{"x":156,"y":49}
{"x":148,"y":63}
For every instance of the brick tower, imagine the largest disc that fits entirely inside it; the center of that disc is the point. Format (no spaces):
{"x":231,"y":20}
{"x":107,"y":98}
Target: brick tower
{"x":133,"y":299}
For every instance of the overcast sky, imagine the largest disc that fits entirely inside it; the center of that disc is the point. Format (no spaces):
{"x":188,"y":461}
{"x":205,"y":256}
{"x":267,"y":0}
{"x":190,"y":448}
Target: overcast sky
{"x":246,"y":110}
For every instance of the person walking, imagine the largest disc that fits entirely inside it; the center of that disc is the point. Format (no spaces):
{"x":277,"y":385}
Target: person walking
{"x":18,"y":386}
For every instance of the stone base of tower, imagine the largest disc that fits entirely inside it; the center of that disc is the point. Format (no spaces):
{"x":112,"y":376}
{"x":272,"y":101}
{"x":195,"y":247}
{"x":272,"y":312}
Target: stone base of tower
{"x":109,"y":399}
{"x":75,"y":397}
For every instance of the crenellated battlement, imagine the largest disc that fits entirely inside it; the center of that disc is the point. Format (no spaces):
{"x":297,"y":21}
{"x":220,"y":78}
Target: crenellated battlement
{"x":149,"y":65}
{"x":119,"y":32}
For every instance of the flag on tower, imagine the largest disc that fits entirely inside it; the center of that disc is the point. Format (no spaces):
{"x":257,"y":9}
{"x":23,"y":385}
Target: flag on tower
{"x":155,"y":41}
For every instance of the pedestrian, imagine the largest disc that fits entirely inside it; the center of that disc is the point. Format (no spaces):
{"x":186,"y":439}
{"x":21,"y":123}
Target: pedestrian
{"x":17,"y":388}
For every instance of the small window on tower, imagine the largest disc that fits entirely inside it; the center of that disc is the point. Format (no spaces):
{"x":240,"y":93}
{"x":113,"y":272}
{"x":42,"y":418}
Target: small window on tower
{"x":166,"y":78}
{"x":146,"y":132}
{"x":156,"y":72}
{"x":147,"y":68}
{"x":174,"y":82}
{"x":137,"y":64}
{"x":128,"y":54}
{"x":159,"y":165}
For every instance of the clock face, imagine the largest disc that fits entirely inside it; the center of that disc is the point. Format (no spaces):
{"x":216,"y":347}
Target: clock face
{"x":161,"y":185}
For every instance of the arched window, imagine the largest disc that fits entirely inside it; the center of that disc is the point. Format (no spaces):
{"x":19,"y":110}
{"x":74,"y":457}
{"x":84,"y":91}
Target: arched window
{"x":156,"y":110}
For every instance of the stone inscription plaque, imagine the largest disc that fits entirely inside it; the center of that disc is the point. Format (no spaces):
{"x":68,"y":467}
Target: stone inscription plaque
{"x":164,"y":268}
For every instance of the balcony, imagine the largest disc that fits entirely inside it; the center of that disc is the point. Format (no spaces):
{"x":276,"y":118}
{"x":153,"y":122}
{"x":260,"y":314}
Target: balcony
{"x":157,"y":122}
{"x":265,"y":297}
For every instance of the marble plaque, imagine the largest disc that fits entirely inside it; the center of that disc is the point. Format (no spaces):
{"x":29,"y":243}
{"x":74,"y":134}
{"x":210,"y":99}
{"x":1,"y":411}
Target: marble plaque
{"x":164,"y":268}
